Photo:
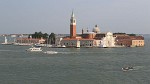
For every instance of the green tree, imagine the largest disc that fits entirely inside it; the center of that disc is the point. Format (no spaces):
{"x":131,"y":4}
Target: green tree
{"x":39,"y":35}
{"x":52,"y":38}
{"x":45,"y":35}
{"x":132,"y":34}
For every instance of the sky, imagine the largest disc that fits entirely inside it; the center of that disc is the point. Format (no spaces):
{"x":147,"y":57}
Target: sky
{"x":29,"y":16}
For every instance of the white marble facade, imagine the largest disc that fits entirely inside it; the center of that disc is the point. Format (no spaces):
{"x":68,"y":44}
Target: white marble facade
{"x":108,"y":40}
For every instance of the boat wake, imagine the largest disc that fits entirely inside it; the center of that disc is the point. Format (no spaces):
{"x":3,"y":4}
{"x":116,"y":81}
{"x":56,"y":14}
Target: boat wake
{"x":55,"y":52}
{"x":9,"y":51}
{"x":138,"y":67}
{"x":5,"y":50}
{"x":68,"y":52}
{"x":51,"y":52}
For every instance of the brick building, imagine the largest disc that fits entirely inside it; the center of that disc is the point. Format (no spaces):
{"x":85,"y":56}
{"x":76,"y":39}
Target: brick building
{"x":129,"y":41}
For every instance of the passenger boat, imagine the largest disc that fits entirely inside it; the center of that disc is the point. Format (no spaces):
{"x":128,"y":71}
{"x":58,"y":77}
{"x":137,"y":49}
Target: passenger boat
{"x":34,"y":49}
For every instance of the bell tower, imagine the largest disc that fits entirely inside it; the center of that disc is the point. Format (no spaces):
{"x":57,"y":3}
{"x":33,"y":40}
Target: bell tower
{"x":72,"y":26}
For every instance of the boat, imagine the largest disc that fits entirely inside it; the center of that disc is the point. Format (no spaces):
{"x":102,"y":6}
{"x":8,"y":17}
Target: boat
{"x":51,"y":52}
{"x":103,"y":46}
{"x":34,"y":49}
{"x":63,"y":46}
{"x":127,"y":68}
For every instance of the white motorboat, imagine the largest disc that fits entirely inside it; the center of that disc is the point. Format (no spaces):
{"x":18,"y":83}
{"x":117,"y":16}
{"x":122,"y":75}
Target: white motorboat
{"x":127,"y":68}
{"x":51,"y":52}
{"x":34,"y":49}
{"x":63,"y":46}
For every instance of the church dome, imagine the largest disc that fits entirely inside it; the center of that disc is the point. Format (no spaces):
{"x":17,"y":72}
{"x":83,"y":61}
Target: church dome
{"x":96,"y":29}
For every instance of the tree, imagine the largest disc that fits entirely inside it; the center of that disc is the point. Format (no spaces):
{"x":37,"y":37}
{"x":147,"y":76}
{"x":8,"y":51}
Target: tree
{"x":132,"y":34}
{"x":39,"y":35}
{"x":119,"y":33}
{"x":45,"y":35}
{"x":52,"y":38}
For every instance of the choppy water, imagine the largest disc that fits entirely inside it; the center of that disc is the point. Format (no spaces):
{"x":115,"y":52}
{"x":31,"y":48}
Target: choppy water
{"x":75,"y":66}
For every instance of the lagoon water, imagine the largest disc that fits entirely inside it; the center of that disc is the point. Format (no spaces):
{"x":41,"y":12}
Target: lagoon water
{"x":75,"y":66}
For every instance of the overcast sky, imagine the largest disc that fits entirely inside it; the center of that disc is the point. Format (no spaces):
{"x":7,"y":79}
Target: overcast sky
{"x":29,"y":16}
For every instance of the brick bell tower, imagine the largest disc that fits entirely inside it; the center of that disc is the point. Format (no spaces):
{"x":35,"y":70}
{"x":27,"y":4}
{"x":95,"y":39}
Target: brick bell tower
{"x":72,"y":26}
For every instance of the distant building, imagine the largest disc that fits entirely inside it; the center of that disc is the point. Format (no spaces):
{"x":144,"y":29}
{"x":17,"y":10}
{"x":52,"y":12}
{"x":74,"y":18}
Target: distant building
{"x":30,"y":40}
{"x":108,"y":40}
{"x":87,"y":39}
{"x":98,"y":39}
{"x":59,"y":38}
{"x":137,"y":43}
{"x":129,"y":41}
{"x":96,"y":29}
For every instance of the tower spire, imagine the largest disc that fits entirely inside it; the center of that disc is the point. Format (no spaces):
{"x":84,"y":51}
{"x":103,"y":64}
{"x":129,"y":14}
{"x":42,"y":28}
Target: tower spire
{"x":72,"y":15}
